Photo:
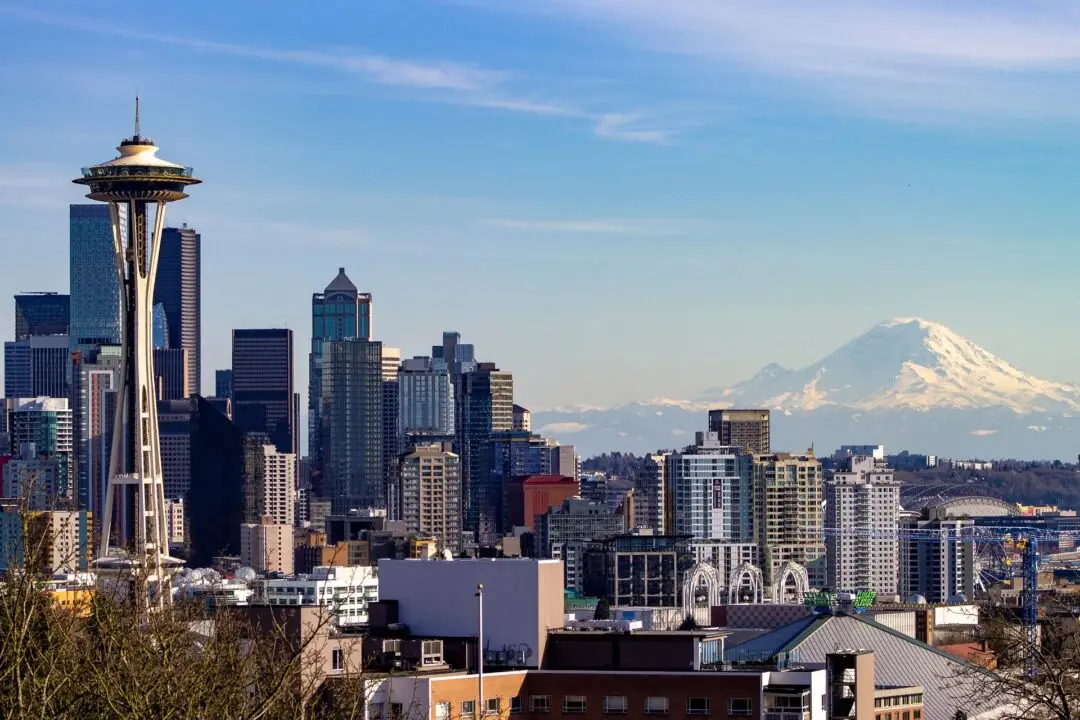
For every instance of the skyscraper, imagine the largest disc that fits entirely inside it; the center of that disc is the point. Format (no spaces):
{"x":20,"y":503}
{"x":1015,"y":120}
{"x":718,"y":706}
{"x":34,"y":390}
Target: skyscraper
{"x":174,"y":423}
{"x":36,"y":366}
{"x":745,"y":429}
{"x":425,"y":398}
{"x":95,"y":287}
{"x":45,"y":313}
{"x":650,"y":491}
{"x":171,"y":373}
{"x":269,"y":481}
{"x":339,"y":312}
{"x":179,"y":291}
{"x":485,"y":406}
{"x":430,"y":490}
{"x":95,"y":392}
{"x":391,"y":440}
{"x":862,"y":510}
{"x":352,"y":424}
{"x":262,"y":367}
{"x":215,"y":498}
{"x":788,"y":524}
{"x":709,"y":489}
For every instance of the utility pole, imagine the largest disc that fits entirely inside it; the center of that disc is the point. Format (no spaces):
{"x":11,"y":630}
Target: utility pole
{"x":480,"y":649}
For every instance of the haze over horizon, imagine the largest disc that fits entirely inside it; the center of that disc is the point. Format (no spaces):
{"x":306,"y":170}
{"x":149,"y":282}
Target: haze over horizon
{"x":614,"y":201}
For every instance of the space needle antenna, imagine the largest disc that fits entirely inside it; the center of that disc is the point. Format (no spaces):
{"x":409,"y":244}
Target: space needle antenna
{"x":136,"y":115}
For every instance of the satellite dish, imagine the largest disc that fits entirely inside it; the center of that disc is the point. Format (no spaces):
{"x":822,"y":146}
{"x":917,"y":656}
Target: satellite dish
{"x":246,"y":574}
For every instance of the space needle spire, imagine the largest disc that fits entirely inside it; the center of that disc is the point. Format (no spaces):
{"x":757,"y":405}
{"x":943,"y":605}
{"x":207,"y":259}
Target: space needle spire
{"x":137,"y":185}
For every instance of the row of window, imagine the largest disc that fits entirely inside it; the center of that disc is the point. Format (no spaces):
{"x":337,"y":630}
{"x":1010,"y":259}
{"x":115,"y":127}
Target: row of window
{"x":905,"y":715}
{"x":577,"y":705}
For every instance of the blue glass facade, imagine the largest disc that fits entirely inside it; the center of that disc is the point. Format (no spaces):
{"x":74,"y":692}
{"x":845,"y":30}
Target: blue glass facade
{"x":161,"y":328}
{"x":340,"y":312}
{"x":95,"y":285}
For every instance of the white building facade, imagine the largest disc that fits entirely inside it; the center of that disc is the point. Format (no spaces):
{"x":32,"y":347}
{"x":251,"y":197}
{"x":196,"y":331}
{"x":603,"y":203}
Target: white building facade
{"x":347,"y":591}
{"x":862,"y":519}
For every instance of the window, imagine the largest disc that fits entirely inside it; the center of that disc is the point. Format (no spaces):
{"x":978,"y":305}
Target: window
{"x":615,"y":704}
{"x":338,"y":659}
{"x":375,"y":711}
{"x":468,"y":708}
{"x":656,"y":706}
{"x":540,"y":703}
{"x":697,"y":706}
{"x":573,"y":704}
{"x":442,"y":711}
{"x":739,"y":706}
{"x":515,"y":705}
{"x":493,"y":706}
{"x":396,"y":711}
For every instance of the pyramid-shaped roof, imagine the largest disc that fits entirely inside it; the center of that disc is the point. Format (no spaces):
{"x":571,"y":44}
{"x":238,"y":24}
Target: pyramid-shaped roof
{"x":340,"y":284}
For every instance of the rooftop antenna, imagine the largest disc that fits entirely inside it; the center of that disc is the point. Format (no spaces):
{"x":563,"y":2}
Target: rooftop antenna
{"x":136,"y":115}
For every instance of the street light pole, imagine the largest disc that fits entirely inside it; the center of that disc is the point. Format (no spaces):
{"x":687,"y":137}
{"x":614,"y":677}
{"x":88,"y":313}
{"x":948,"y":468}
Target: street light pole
{"x":480,"y":648}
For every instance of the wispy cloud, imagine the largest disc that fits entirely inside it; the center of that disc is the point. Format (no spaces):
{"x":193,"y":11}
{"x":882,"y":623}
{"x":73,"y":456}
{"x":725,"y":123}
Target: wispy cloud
{"x":1007,"y":59}
{"x":580,"y":226}
{"x":442,"y":80}
{"x":626,"y":128}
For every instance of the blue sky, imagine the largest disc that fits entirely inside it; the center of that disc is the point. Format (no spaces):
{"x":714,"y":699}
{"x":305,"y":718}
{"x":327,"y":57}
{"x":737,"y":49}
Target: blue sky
{"x":614,"y":200}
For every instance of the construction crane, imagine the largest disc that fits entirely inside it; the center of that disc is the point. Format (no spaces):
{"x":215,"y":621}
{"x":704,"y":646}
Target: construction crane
{"x":1024,"y":539}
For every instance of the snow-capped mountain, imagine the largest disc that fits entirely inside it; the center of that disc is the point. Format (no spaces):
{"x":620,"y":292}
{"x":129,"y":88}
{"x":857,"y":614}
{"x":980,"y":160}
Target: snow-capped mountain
{"x":909,"y":383}
{"x":907,"y":363}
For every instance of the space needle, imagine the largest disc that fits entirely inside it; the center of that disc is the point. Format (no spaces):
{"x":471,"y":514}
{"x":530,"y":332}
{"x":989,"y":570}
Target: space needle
{"x":137,"y":184}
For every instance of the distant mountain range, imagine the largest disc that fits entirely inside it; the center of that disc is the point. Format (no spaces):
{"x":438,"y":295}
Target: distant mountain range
{"x":907,"y":383}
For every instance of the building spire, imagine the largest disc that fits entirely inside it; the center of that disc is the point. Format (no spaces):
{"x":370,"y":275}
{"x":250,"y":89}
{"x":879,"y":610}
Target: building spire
{"x":136,"y":116}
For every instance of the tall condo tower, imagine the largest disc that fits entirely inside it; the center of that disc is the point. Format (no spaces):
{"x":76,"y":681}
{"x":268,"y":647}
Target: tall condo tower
{"x":137,"y":185}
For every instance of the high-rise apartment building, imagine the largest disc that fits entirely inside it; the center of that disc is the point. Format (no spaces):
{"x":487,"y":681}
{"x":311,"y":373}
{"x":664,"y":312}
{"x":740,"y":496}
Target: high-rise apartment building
{"x":485,"y":406}
{"x":172,"y":373}
{"x":563,"y":532}
{"x":56,"y":540}
{"x":935,"y":564}
{"x":269,"y":481}
{"x":425,"y":398}
{"x":95,"y":284}
{"x":565,"y":461}
{"x":430,"y":491}
{"x":174,"y":428}
{"x":522,"y":419}
{"x":223,"y":383}
{"x":267,"y":547}
{"x":41,"y":428}
{"x":650,"y":493}
{"x":178,"y":289}
{"x":339,"y":312}
{"x":862,"y":513}
{"x":745,"y":429}
{"x":709,"y":489}
{"x":788,"y":523}
{"x":36,"y":366}
{"x":352,"y":424}
{"x":263,"y":394}
{"x":44,"y":313}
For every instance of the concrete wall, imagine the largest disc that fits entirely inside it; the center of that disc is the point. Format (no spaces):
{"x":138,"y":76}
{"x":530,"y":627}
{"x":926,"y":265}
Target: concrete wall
{"x":523,"y":598}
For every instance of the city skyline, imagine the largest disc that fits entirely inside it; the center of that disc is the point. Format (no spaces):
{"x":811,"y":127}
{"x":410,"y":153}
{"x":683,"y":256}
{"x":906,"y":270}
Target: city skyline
{"x":620,"y":195}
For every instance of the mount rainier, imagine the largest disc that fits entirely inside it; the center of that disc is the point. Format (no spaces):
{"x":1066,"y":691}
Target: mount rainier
{"x":907,"y":383}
